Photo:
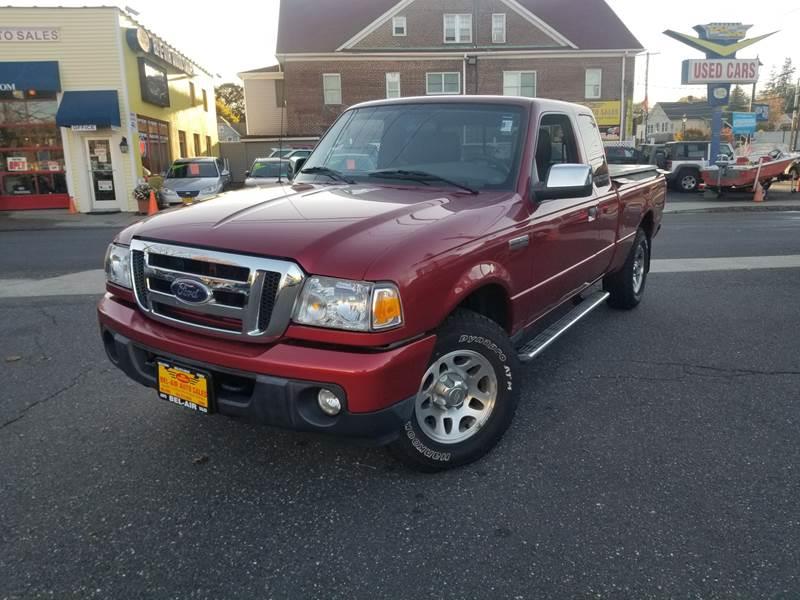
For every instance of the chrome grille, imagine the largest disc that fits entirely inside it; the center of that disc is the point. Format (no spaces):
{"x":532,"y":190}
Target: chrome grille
{"x":248,"y":298}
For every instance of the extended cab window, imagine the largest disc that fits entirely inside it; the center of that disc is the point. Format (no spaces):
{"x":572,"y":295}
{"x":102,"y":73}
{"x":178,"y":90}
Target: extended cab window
{"x":595,"y":152}
{"x":475,"y":145}
{"x":555,"y":144}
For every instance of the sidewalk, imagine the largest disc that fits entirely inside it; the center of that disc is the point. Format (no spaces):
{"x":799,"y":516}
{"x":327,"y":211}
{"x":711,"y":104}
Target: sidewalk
{"x":32,"y":220}
{"x":779,"y":199}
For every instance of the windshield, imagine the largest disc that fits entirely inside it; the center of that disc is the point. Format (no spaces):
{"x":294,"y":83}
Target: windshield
{"x":192,"y":169}
{"x":268,"y":169}
{"x":475,"y":145}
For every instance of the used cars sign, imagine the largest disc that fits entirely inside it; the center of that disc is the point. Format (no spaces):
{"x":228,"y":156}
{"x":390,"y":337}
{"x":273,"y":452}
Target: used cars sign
{"x":720,"y":70}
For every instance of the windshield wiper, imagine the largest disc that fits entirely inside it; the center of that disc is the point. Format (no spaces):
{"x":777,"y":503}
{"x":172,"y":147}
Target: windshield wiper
{"x":421,"y":176}
{"x":332,"y":173}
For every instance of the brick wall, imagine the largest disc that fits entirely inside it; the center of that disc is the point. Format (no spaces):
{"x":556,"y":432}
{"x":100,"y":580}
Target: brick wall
{"x":559,"y":78}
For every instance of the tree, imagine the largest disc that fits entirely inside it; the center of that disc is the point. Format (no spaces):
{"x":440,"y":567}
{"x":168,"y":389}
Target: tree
{"x":691,"y":98}
{"x":232,"y":96}
{"x":739,"y":101}
{"x":781,"y":86}
{"x":224,"y":111}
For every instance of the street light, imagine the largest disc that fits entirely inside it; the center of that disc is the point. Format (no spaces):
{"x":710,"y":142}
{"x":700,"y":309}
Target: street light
{"x":683,"y":131}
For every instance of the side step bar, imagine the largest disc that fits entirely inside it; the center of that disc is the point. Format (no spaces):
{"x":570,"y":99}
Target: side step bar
{"x":542,"y":341}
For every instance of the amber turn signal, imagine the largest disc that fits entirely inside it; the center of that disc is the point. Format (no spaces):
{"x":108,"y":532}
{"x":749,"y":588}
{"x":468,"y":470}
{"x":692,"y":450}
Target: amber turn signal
{"x":386,"y":309}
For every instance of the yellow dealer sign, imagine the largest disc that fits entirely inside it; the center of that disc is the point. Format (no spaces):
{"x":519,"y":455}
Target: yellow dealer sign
{"x":605,"y":113}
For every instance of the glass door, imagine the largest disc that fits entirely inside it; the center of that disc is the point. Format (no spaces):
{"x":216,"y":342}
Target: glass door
{"x":101,"y":173}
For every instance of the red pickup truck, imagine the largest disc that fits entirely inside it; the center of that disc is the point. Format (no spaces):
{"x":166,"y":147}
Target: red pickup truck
{"x":425,"y":251}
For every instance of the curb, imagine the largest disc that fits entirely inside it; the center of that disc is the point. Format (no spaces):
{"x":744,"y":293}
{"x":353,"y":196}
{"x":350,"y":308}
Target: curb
{"x":724,"y":209}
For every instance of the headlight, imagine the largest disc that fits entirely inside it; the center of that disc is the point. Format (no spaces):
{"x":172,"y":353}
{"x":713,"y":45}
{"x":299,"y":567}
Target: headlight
{"x":212,"y":189}
{"x":118,"y":265}
{"x":168,"y":192}
{"x":349,"y":305}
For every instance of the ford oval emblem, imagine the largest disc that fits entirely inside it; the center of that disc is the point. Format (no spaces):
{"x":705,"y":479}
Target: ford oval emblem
{"x":190,"y":291}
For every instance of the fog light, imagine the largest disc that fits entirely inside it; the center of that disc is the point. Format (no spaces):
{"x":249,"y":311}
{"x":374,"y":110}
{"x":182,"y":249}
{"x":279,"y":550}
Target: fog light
{"x":329,"y":402}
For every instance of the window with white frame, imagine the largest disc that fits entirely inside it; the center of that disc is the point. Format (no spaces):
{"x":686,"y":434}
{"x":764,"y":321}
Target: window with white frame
{"x":442,"y":83}
{"x":519,"y":83}
{"x":499,"y":28}
{"x":393,"y":85}
{"x":332,"y":88}
{"x":458,"y":29}
{"x":398,"y":26}
{"x":593,"y":83}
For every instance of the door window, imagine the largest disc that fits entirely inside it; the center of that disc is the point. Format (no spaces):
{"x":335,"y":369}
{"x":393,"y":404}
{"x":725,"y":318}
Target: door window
{"x":102,"y":169}
{"x":555,"y":144}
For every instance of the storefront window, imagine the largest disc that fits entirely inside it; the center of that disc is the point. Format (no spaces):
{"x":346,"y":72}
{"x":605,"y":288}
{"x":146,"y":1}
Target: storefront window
{"x":154,"y":144}
{"x":31,"y":152}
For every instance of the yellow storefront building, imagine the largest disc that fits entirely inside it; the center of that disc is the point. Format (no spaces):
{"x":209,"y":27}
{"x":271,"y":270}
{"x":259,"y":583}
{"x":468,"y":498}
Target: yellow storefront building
{"x":90,"y":104}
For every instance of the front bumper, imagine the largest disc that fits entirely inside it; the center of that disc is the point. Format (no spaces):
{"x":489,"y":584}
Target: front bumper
{"x":276,"y":384}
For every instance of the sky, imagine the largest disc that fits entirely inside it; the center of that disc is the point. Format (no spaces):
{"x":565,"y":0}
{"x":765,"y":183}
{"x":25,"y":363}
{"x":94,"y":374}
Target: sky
{"x":237,"y":35}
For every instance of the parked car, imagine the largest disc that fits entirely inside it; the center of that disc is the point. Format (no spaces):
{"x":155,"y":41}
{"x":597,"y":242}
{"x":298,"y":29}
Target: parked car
{"x":195,"y":179}
{"x":290,"y":152}
{"x":685,"y":160}
{"x":266,"y":171}
{"x":622,"y":155}
{"x":396,"y":304}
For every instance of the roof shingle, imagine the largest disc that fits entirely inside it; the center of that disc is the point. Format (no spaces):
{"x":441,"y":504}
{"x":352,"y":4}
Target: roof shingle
{"x":316,"y":26}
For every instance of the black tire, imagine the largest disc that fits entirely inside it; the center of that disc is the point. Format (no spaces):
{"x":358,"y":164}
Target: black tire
{"x":622,"y":285}
{"x":464,"y":331}
{"x":687,"y":180}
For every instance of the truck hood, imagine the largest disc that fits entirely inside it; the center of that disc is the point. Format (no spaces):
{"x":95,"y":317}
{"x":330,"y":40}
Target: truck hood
{"x":329,"y":230}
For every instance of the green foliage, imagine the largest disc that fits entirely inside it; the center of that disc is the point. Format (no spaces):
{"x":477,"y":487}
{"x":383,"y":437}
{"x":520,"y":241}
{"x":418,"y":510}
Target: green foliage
{"x":223,"y":110}
{"x":231,"y":95}
{"x":739,"y":101}
{"x":781,"y":86}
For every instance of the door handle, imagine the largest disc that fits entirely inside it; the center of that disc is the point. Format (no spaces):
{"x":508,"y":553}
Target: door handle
{"x":592,"y":213}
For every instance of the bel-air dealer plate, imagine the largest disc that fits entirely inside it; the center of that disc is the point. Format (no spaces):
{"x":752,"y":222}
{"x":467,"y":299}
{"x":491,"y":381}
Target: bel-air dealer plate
{"x":184,"y":386}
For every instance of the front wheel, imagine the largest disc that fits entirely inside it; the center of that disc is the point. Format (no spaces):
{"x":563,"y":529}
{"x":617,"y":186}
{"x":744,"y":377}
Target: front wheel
{"x":466,"y":398}
{"x":626,"y":286}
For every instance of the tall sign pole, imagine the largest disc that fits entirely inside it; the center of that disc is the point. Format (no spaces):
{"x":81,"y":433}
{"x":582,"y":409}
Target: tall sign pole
{"x":719,"y":42}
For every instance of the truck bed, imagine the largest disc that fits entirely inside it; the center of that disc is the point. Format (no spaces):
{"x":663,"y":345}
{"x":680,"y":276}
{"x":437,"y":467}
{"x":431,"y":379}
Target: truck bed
{"x":620,"y":173}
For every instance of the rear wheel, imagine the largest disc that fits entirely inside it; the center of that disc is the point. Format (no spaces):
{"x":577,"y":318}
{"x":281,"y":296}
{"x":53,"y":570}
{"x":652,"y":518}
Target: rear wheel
{"x":626,"y":286}
{"x":466,"y":399}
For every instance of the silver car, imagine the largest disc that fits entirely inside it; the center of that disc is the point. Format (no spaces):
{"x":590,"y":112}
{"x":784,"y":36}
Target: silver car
{"x":266,"y":171}
{"x":195,"y":179}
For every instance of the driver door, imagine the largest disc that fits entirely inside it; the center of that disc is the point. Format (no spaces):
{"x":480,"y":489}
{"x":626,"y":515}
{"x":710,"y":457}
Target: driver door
{"x":563,"y":231}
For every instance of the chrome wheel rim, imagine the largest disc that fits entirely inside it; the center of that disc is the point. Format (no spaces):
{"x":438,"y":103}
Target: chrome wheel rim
{"x":456,"y":397}
{"x":638,"y":267}
{"x":689,"y":182}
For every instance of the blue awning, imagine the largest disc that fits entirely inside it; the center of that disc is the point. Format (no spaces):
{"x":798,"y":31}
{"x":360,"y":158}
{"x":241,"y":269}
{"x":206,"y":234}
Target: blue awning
{"x":41,"y":76}
{"x":99,"y":108}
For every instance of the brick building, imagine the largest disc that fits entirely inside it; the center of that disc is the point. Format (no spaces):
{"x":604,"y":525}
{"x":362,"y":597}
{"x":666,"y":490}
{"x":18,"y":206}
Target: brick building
{"x":334,"y":54}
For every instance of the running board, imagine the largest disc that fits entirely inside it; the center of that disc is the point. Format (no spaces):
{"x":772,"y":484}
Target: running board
{"x":542,"y":341}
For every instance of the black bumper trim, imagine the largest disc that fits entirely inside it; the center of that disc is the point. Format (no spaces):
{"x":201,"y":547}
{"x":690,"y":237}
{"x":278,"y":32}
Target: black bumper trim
{"x":285,"y":403}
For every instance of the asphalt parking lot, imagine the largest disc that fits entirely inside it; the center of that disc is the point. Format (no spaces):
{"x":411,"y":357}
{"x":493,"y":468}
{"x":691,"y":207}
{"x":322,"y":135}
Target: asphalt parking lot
{"x":654,"y":454}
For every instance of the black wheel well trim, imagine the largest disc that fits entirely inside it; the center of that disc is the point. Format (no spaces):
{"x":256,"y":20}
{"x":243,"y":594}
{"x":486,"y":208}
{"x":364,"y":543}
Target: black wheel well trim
{"x":491,"y":300}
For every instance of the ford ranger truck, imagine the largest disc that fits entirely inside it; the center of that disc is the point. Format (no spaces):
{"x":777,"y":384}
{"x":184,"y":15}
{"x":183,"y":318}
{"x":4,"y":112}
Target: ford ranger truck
{"x":423,"y":254}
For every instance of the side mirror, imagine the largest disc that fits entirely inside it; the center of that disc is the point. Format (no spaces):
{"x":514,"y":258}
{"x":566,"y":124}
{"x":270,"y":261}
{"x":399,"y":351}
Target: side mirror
{"x":247,"y":173}
{"x":295,"y":165}
{"x":565,"y":181}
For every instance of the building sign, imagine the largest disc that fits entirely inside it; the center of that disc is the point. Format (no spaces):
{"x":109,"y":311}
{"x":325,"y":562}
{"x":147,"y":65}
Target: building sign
{"x":141,"y":41}
{"x":17,"y":163}
{"x":84,"y":127}
{"x":722,"y":31}
{"x":153,"y":83}
{"x":605,"y":113}
{"x":743,"y":123}
{"x":719,"y":70}
{"x":29,"y":34}
{"x":761,"y":110}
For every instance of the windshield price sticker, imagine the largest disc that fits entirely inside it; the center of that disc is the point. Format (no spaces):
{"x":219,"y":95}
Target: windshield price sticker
{"x":194,"y":169}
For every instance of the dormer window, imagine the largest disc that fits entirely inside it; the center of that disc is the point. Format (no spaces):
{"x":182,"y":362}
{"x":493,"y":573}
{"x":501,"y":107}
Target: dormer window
{"x":398,"y":26}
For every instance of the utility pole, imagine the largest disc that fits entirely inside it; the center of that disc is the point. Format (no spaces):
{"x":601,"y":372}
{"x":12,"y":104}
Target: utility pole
{"x":795,"y":118}
{"x":647,"y":91}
